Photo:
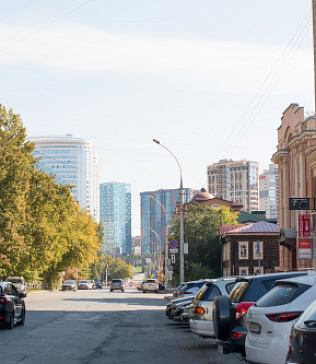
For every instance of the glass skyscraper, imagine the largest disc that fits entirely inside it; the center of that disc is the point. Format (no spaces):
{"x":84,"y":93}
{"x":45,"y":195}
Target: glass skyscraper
{"x":73,"y":162}
{"x":153,"y":217}
{"x":115,"y":215}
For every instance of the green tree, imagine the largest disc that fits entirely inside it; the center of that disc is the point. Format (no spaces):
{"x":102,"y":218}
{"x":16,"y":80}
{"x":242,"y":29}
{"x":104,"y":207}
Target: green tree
{"x":43,"y":230}
{"x":202,"y":232}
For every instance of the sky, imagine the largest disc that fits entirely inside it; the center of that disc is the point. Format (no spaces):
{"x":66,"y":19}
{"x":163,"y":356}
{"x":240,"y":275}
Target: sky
{"x":209,"y":79}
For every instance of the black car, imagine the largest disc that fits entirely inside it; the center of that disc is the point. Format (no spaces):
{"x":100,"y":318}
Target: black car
{"x":172,"y":305}
{"x":303,"y":338}
{"x":12,"y":306}
{"x":229,"y":312}
{"x":98,"y":284}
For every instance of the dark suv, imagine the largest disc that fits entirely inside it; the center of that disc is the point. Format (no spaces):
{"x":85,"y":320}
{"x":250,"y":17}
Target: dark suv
{"x":229,"y":312}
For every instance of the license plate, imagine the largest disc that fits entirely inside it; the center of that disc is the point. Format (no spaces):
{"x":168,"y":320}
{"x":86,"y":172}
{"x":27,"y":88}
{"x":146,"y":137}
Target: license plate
{"x":255,"y":328}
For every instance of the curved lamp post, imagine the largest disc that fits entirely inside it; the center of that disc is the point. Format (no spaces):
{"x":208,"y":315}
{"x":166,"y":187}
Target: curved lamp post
{"x":181,"y":213}
{"x":166,"y":240}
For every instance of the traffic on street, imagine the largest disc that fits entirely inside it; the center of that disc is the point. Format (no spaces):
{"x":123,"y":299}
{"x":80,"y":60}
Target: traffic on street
{"x":99,"y":326}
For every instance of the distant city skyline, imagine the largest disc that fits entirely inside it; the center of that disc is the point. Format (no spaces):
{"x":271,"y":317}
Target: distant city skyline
{"x":208,"y":79}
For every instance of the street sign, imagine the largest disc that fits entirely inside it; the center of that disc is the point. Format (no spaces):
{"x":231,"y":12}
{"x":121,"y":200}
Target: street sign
{"x":173,"y":258}
{"x":170,"y":268}
{"x":305,"y":249}
{"x":304,"y":226}
{"x":299,"y":204}
{"x":174,"y":251}
{"x":173,"y":243}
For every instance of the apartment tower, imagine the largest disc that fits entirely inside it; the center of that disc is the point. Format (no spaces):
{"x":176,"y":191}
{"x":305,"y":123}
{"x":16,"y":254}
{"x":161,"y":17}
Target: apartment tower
{"x":235,"y":181}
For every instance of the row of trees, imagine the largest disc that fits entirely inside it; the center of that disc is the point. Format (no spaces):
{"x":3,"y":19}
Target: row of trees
{"x":43,"y":230}
{"x":202,"y":232}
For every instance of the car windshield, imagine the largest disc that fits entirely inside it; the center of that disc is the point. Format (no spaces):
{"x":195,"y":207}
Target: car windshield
{"x":84,"y":282}
{"x":14,"y":280}
{"x":69,"y":282}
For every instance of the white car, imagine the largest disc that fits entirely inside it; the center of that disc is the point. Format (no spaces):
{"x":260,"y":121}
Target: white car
{"x":201,"y":322}
{"x":270,"y":319}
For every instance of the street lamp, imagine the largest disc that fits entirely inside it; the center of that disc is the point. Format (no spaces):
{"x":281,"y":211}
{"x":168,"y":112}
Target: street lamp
{"x":181,"y":213}
{"x":166,"y":240}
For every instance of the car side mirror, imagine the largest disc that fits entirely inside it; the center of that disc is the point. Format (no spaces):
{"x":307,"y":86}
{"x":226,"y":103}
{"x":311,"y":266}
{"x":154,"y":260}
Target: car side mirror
{"x":22,"y":295}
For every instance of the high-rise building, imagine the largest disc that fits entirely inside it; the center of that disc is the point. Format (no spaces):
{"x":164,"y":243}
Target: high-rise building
{"x":153,"y":215}
{"x":235,"y":181}
{"x":269,"y":192}
{"x":73,"y":162}
{"x":115,"y":215}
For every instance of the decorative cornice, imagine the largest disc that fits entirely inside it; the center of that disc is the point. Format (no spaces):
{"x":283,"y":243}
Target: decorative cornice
{"x":279,"y":154}
{"x":302,"y":137}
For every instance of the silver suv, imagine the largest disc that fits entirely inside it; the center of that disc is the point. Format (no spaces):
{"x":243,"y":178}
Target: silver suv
{"x":19,"y":283}
{"x":117,"y":284}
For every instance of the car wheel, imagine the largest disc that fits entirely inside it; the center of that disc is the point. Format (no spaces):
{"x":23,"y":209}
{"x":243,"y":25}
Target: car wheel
{"x":122,"y":290}
{"x":10,"y":324}
{"x":111,"y":290}
{"x":22,"y":317}
{"x":221,"y":317}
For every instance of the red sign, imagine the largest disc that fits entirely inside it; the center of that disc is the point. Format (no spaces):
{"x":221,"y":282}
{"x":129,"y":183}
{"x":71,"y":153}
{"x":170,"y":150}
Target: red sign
{"x":304,"y":226}
{"x":304,"y":244}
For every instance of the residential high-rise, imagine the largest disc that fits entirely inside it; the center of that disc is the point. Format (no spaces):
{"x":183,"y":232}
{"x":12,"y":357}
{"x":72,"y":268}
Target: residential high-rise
{"x":269,"y":192}
{"x":235,"y":181}
{"x":73,"y":162}
{"x":153,"y":216}
{"x":115,"y":215}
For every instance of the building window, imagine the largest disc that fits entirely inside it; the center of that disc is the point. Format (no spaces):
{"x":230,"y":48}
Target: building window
{"x":255,"y":250}
{"x":243,"y":271}
{"x":243,"y":249}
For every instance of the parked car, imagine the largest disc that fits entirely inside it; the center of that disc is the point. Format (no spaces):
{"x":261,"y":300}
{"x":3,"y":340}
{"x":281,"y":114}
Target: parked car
{"x":271,"y":319}
{"x":229,"y":313}
{"x":180,"y":309}
{"x":187,"y":314}
{"x":85,"y":285}
{"x":201,"y":322}
{"x":117,"y":284}
{"x":188,"y":288}
{"x":303,"y":337}
{"x":98,"y":284}
{"x":19,"y":283}
{"x":12,"y":306}
{"x":150,"y":285}
{"x":172,"y":305}
{"x":69,"y":285}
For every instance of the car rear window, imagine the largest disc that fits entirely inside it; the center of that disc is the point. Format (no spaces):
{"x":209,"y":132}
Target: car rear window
{"x":239,"y":291}
{"x":281,"y":294}
{"x":116,"y":281}
{"x":212,"y":292}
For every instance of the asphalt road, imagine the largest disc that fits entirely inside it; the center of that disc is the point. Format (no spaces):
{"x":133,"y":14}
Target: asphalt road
{"x":90,"y":327}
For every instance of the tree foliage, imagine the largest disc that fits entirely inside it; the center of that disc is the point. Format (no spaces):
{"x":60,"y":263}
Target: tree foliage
{"x":202,"y":233}
{"x":43,"y":230}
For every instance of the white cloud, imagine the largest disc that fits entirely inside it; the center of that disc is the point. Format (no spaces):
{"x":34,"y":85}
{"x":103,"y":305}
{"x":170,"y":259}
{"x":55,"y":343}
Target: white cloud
{"x":74,"y":48}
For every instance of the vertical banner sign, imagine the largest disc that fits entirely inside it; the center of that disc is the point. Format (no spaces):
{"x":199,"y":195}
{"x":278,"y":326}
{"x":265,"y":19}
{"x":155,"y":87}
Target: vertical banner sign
{"x":304,"y":249}
{"x":304,"y":226}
